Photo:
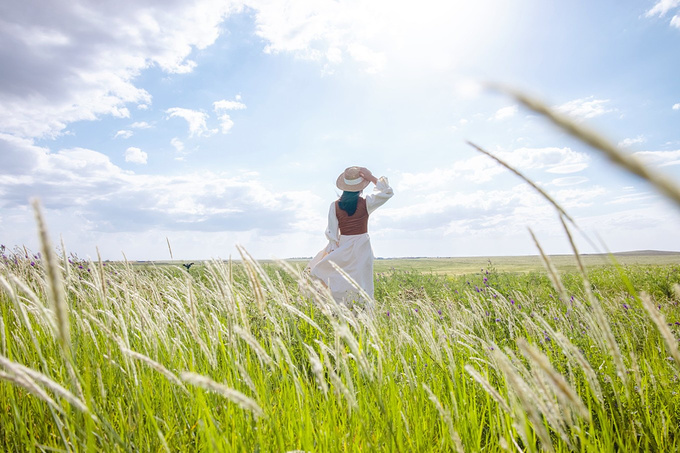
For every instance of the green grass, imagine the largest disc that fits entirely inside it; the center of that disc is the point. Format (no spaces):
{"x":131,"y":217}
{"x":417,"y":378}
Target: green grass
{"x":480,"y":361}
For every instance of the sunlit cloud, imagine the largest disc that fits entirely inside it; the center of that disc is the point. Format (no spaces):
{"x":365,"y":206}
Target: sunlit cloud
{"x":228,"y":105}
{"x":123,"y":134}
{"x":195,"y":119}
{"x":660,"y":158}
{"x":135,"y":155}
{"x":628,"y":142}
{"x":505,"y":113}
{"x":585,"y":108}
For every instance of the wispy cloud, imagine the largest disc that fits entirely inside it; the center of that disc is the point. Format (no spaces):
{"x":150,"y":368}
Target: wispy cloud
{"x":585,"y":108}
{"x":505,"y":113}
{"x":220,"y":107}
{"x":676,"y":106}
{"x":628,"y":142}
{"x":228,"y":105}
{"x":140,"y":125}
{"x":661,"y":7}
{"x":195,"y":119}
{"x":480,"y":169}
{"x":123,"y":134}
{"x":660,"y":158}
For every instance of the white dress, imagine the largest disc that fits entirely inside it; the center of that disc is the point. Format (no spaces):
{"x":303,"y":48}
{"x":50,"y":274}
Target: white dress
{"x":353,"y":254}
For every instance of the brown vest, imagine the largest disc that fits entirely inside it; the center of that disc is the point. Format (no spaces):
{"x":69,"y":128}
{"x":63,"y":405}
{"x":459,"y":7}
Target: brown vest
{"x":356,"y":223}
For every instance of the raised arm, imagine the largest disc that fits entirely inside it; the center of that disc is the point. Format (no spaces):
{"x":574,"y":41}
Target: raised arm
{"x":381,"y":193}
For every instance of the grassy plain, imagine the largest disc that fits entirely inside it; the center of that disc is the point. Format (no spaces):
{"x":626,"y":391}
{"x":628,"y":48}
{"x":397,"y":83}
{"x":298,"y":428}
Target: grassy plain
{"x":255,"y":357}
{"x":521,"y":264}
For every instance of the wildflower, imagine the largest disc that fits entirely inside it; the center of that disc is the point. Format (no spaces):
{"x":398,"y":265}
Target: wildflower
{"x":625,"y":306}
{"x":512,"y":301}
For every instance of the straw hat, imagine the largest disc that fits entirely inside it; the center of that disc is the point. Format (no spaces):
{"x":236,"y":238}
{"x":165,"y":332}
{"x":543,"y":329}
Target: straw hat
{"x":351,"y":181}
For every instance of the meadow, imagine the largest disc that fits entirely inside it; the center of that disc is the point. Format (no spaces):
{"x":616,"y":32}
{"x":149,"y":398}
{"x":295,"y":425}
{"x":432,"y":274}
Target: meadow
{"x":257,"y":357}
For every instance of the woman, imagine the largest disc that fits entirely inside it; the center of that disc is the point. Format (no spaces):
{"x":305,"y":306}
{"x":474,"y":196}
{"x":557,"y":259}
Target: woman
{"x":349,"y":246}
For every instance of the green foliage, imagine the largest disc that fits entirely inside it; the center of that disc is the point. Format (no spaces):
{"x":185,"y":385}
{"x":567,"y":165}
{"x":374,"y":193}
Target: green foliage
{"x":228,"y":357}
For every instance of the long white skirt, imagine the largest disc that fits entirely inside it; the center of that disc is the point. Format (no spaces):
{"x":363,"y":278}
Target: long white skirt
{"x":354,"y":255}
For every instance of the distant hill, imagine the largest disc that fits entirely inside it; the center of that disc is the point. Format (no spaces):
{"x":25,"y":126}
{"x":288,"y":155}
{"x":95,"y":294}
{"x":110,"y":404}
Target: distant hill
{"x":646,"y":253}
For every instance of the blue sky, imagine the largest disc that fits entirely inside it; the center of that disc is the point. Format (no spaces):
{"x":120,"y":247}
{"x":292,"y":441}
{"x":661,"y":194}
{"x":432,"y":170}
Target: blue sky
{"x":217,"y":123}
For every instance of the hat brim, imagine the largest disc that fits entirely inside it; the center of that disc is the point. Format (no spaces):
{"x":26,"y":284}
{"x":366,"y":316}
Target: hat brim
{"x":342,"y":185}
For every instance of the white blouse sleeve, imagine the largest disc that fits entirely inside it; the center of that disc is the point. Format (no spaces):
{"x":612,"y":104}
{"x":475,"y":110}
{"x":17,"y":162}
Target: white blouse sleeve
{"x":332,"y":230}
{"x":382,"y":193}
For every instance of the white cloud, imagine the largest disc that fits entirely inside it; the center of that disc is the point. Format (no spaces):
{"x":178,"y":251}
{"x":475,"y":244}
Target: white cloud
{"x":80,"y":70}
{"x":123,"y":134}
{"x":195,"y":119}
{"x":585,"y":108}
{"x":569,"y":181}
{"x":505,"y":113}
{"x":140,"y":125}
{"x":628,"y":142}
{"x":225,"y":123}
{"x":373,"y":61}
{"x":675,"y":21}
{"x":676,"y":106}
{"x":135,"y":155}
{"x":660,"y":158}
{"x":87,"y":185}
{"x":379,"y":35}
{"x":177,"y":144}
{"x":661,"y":7}
{"x":228,"y":105}
{"x":480,"y":169}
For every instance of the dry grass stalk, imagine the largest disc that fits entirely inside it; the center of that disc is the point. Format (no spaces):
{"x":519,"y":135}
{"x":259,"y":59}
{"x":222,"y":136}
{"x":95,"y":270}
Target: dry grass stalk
{"x":48,"y":383}
{"x":169,"y":248}
{"x":170,"y":376}
{"x":552,"y":271}
{"x":232,"y":395}
{"x":527,"y":399}
{"x":557,"y":380}
{"x":446,"y":416}
{"x":54,"y":282}
{"x":660,"y":321}
{"x":255,"y":345}
{"x":488,"y":388}
{"x":592,"y":138}
{"x":67,"y":267}
{"x":317,"y":368}
{"x":32,"y":388}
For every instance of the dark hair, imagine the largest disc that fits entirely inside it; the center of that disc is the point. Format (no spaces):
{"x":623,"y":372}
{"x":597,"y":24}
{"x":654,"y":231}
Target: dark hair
{"x":348,"y":202}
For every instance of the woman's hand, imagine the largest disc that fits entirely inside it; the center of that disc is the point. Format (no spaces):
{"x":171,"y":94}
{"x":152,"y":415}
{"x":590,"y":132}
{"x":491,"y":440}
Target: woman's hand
{"x":367,"y":175}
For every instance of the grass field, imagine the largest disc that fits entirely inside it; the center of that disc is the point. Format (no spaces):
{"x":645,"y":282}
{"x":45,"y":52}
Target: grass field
{"x":509,"y":264}
{"x":257,"y":357}
{"x":521,"y":264}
